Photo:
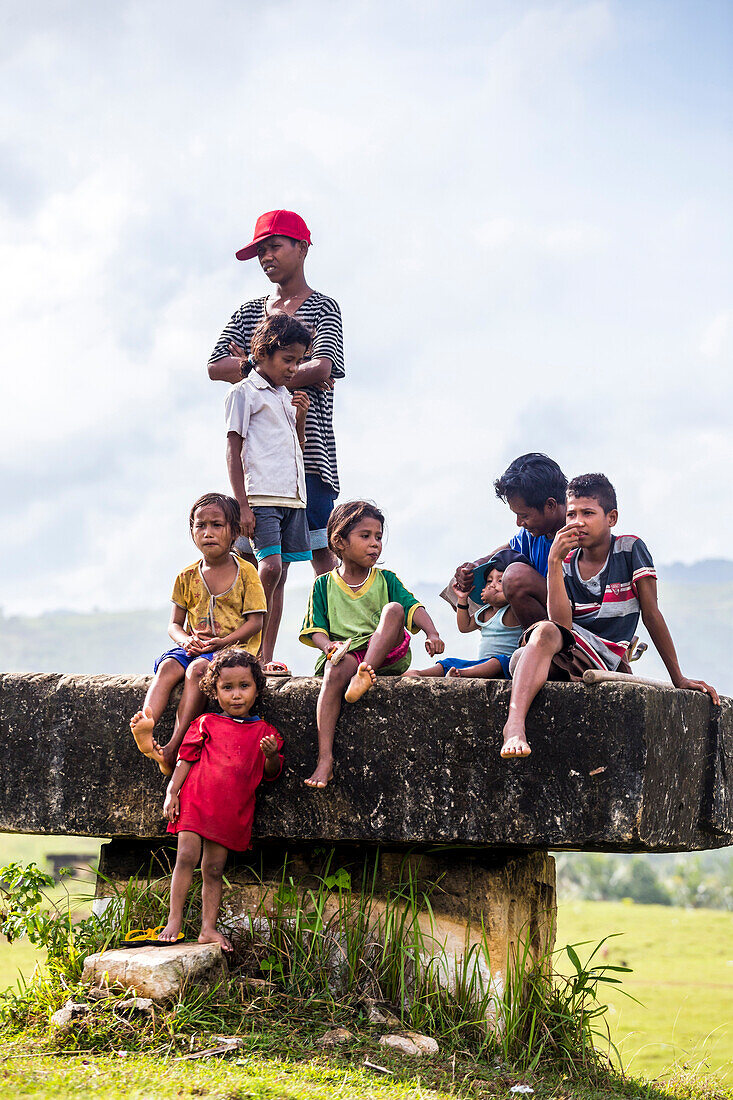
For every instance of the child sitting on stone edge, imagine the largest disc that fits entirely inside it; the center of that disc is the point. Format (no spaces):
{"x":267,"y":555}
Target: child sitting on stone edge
{"x":598,"y":584}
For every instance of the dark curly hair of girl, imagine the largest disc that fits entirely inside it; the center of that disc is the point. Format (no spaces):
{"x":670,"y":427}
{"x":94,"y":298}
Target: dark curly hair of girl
{"x":233,"y":657}
{"x":276,"y":333}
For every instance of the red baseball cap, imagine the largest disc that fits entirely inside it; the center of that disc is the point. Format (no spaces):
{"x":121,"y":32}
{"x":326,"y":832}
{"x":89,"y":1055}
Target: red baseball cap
{"x":276,"y":223}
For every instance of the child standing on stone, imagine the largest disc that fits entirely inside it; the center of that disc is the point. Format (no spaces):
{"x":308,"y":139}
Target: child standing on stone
{"x":218,"y":601}
{"x":265,"y":440}
{"x":359,"y":617}
{"x":210,"y":799}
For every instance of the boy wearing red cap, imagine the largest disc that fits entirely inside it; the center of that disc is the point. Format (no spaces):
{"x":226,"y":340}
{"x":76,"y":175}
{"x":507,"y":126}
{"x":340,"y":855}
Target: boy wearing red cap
{"x":281,"y":241}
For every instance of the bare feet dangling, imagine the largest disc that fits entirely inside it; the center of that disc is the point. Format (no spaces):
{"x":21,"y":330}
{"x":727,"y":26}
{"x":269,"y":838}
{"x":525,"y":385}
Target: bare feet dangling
{"x":363,"y":679}
{"x":142,"y":725}
{"x":322,"y":776}
{"x":515,"y":745}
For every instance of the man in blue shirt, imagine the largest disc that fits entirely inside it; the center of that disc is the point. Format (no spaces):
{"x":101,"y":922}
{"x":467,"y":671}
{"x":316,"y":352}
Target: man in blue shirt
{"x":533,"y":486}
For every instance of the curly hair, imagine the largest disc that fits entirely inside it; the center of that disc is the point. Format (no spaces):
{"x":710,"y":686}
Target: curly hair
{"x":229,"y":507}
{"x":345,"y":517}
{"x":595,"y":486}
{"x":276,"y":333}
{"x":233,"y":657}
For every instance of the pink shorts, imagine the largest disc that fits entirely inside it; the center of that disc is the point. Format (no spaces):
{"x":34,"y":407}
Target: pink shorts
{"x":394,"y":655}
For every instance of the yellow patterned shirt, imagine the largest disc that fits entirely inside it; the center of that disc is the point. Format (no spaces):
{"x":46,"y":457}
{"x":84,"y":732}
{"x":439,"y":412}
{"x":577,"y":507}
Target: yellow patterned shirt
{"x":225,"y":613}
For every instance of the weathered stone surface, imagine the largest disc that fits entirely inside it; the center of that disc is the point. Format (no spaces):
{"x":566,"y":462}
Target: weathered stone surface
{"x":337,"y":1036}
{"x":70,"y":1016}
{"x":614,"y":767}
{"x":157,"y":972}
{"x":411,"y":1042}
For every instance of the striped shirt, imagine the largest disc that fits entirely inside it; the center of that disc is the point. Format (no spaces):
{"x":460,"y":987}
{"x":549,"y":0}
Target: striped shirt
{"x":606,"y":607}
{"x":322,"y":316}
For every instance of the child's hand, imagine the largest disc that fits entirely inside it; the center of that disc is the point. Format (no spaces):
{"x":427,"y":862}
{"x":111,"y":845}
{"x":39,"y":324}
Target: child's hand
{"x":269,"y":745}
{"x":208,"y":642}
{"x":238,"y":353}
{"x":171,"y":806}
{"x":464,"y":576}
{"x":461,"y":593}
{"x":301,"y":401}
{"x":247,"y":521}
{"x":434,"y":644}
{"x":564,"y":541}
{"x":196,"y":645}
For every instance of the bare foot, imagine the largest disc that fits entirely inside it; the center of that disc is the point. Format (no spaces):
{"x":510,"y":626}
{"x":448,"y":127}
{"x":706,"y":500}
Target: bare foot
{"x":322,"y":776}
{"x":211,"y":935}
{"x":453,"y":672}
{"x":515,"y":745}
{"x":363,"y":679}
{"x":169,"y":754}
{"x":142,"y":725}
{"x":171,"y":931}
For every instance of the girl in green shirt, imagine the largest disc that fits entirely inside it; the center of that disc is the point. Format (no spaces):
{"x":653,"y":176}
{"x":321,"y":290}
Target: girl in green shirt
{"x":359,"y":617}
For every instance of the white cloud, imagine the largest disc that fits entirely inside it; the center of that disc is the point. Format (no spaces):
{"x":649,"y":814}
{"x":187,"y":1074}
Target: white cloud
{"x":513,"y":276}
{"x":716,"y":336}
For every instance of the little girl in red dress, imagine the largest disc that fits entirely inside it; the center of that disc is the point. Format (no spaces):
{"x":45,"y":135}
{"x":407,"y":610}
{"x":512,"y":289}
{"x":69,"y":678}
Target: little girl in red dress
{"x":211,"y":795}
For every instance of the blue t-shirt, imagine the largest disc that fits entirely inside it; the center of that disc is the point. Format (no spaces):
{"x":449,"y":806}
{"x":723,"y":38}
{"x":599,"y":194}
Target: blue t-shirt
{"x":534,"y":547}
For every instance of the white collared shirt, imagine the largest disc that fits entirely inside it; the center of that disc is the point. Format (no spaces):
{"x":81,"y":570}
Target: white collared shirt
{"x":264,"y":416}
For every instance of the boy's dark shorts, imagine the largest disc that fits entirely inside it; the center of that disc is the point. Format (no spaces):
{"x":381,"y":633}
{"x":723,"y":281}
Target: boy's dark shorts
{"x":571,"y":662}
{"x":321,"y":499}
{"x":282,"y":531}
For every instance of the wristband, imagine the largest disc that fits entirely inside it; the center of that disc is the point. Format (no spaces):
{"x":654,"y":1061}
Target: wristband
{"x":462,"y":606}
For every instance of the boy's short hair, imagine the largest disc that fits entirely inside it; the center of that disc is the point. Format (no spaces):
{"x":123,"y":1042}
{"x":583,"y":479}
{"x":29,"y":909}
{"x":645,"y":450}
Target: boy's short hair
{"x":535,"y":478}
{"x":232,"y":656}
{"x":596,"y":486}
{"x":277,"y":332}
{"x":345,"y":517}
{"x":229,"y":507}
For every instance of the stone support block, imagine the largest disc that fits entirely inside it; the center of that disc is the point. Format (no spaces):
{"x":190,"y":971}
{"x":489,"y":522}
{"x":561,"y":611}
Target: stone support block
{"x":159,"y":973}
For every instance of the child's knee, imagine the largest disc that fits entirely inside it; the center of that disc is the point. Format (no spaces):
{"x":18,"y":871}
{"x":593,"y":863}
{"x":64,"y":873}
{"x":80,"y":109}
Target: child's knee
{"x":197,"y":669}
{"x":271,"y":570}
{"x":170,"y":672}
{"x":547,"y":636}
{"x":187,"y":857}
{"x":394,"y":611}
{"x":212,"y":867}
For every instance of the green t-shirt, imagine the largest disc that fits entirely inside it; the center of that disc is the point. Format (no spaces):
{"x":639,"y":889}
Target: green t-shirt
{"x":342,"y":612}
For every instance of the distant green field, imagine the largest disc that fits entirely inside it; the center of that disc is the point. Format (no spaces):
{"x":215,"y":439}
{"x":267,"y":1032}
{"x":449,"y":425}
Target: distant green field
{"x":683,"y":975}
{"x":20,"y":958}
{"x":682,"y":964}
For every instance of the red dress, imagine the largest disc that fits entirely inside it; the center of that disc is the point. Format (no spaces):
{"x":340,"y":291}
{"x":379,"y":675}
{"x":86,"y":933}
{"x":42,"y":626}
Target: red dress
{"x":217,"y":799}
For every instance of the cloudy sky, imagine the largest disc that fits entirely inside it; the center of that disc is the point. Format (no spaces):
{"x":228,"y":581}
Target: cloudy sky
{"x":523,"y":209}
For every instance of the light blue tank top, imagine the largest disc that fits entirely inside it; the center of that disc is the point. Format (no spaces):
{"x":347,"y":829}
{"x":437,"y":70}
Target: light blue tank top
{"x":496,"y":638}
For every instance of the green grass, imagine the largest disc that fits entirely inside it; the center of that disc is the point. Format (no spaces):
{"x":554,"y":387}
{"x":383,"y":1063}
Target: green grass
{"x":683,"y":976}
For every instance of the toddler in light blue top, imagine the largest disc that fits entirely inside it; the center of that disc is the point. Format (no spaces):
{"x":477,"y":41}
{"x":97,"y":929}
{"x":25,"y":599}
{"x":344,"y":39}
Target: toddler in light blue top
{"x":500,"y":634}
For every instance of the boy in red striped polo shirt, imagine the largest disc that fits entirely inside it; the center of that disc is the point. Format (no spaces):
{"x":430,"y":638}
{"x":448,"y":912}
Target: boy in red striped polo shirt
{"x":598,"y":584}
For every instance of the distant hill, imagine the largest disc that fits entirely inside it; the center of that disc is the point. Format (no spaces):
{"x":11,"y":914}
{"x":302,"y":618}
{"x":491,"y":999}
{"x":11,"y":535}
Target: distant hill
{"x":696,"y":599}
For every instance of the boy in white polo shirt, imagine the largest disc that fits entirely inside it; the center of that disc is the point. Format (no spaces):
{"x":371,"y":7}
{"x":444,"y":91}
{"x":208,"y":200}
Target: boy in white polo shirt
{"x":265,"y":440}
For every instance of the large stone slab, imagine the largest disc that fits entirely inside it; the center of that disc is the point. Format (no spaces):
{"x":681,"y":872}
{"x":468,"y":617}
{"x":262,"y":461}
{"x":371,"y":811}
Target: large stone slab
{"x":157,"y":972}
{"x":614,"y":767}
